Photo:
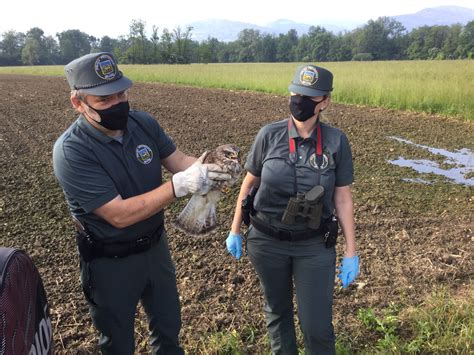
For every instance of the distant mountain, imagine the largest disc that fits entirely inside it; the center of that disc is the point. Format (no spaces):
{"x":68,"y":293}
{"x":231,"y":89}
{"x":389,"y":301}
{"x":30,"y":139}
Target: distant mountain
{"x":225,"y":30}
{"x":441,"y":15}
{"x":283,"y":26}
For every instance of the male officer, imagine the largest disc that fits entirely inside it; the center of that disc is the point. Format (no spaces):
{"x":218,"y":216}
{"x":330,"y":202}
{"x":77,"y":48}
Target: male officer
{"x":108,"y":163}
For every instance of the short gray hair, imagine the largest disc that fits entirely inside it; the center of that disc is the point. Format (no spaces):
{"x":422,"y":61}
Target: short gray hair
{"x":79,"y":94}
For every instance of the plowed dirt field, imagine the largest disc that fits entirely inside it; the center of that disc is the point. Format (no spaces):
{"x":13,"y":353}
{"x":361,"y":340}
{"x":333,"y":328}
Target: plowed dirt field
{"x":411,"y":237}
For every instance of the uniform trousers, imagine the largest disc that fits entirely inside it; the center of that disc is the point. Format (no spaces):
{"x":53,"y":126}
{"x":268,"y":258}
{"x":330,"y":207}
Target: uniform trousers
{"x":114,"y":286}
{"x":310,"y":267}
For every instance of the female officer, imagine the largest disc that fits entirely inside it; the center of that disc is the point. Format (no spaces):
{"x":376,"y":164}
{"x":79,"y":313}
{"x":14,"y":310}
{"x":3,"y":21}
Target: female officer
{"x":309,"y":162}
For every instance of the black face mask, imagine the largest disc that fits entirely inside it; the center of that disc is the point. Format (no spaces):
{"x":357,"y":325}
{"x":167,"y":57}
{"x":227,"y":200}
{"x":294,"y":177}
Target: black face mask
{"x":115,"y":117}
{"x":302,"y":107}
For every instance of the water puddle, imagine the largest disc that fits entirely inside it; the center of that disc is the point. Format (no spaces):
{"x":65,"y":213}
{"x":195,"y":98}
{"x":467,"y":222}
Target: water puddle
{"x":462,"y":161}
{"x":418,"y":181}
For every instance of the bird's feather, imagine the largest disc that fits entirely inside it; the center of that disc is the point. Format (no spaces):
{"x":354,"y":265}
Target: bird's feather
{"x":199,"y":215}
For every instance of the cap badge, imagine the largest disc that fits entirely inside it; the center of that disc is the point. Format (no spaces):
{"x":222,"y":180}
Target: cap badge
{"x":144,"y":154}
{"x":105,"y":67}
{"x":308,"y":76}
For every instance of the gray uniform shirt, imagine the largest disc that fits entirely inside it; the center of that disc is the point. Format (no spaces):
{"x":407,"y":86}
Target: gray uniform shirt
{"x":269,"y":159}
{"x":93,"y":169}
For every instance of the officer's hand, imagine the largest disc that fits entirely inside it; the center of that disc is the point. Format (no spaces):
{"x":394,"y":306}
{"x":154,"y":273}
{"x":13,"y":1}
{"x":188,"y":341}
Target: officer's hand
{"x":198,"y":178}
{"x":234,"y":245}
{"x":349,"y":270}
{"x":214,"y":171}
{"x":193,"y":179}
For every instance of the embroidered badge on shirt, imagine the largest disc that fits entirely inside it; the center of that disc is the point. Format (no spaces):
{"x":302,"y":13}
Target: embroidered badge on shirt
{"x":105,"y":67}
{"x":144,"y":154}
{"x":308,"y":76}
{"x":314,"y":163}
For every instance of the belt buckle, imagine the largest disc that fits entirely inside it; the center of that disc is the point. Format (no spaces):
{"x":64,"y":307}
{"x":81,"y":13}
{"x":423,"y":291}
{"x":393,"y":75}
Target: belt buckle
{"x":143,"y":242}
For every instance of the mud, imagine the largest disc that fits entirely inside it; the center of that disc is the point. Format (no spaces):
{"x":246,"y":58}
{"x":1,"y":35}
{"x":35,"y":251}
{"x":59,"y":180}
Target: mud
{"x":411,"y":237}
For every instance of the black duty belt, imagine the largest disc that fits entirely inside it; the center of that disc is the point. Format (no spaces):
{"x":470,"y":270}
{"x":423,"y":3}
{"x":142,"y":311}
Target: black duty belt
{"x":122,"y":249}
{"x":91,"y":248}
{"x":284,"y":234}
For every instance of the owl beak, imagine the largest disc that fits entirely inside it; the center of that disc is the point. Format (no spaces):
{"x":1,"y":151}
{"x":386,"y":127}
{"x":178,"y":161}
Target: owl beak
{"x":234,"y":155}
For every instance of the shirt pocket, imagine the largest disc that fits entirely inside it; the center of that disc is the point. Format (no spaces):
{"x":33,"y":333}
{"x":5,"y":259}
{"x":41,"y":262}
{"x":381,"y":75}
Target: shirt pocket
{"x":278,"y":174}
{"x":328,"y":174}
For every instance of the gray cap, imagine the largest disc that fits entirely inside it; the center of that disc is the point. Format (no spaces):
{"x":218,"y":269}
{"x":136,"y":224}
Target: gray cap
{"x":310,"y":80}
{"x":96,"y":74}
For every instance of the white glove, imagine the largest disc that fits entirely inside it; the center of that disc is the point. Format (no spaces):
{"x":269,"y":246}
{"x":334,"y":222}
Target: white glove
{"x":198,"y":178}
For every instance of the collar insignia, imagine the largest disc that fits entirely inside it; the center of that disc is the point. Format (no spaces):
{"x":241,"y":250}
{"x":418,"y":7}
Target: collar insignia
{"x":314,"y":163}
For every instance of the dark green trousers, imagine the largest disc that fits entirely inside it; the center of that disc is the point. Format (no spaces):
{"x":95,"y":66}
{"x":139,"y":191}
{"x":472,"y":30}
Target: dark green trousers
{"x":113,"y":288}
{"x":310,"y":267}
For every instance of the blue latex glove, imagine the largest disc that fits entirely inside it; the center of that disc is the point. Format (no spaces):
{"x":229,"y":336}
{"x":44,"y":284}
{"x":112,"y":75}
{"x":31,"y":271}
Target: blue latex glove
{"x":349,"y":270}
{"x":234,"y":245}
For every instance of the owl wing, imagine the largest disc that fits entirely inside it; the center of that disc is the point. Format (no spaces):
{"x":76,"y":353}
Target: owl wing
{"x":199,"y":215}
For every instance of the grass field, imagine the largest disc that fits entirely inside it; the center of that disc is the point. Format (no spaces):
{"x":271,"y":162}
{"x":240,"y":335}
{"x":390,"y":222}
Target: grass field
{"x":442,"y":87}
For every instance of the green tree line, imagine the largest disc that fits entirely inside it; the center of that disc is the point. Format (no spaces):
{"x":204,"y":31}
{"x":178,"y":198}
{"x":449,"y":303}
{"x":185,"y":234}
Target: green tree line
{"x":381,"y":39}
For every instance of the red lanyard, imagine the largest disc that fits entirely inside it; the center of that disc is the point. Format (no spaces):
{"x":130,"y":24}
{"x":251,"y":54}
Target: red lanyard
{"x":319,"y":144}
{"x":319,"y":152}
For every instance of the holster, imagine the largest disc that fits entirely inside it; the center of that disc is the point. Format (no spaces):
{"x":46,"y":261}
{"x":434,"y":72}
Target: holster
{"x":247,"y":205}
{"x":89,"y":248}
{"x":331,"y":231}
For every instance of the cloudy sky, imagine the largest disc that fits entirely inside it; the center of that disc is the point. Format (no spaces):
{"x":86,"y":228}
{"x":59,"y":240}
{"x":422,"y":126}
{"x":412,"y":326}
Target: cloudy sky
{"x":112,"y":18}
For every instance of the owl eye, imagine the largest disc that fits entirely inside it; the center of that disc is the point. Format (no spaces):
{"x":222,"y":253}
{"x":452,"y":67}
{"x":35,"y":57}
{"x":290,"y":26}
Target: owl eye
{"x":231,"y":154}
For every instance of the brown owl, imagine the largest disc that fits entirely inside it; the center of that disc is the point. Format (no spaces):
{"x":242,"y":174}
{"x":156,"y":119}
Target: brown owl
{"x":199,"y":215}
